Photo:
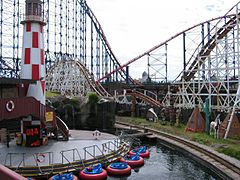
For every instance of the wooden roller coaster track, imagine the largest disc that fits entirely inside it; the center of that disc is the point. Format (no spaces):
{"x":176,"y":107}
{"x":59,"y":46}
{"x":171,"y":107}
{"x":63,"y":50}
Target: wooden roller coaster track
{"x":208,"y":47}
{"x":96,"y":86}
{"x":144,"y":97}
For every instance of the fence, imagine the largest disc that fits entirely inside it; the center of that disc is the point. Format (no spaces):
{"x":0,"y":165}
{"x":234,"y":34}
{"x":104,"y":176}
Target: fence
{"x":17,"y":160}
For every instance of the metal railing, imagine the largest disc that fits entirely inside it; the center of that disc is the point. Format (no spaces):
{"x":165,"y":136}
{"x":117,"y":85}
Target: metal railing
{"x":39,"y":18}
{"x":129,"y":139}
{"x":62,"y":127}
{"x":74,"y":153}
{"x":67,"y":156}
{"x":10,"y":157}
{"x":91,"y":150}
{"x":70,"y":163}
{"x":18,"y":160}
{"x":115,"y":144}
{"x":107,"y":147}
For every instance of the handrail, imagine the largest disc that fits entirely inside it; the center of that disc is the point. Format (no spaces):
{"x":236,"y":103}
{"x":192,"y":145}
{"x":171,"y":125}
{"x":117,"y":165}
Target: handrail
{"x":104,"y":146}
{"x":69,"y":163}
{"x":22,"y":161}
{"x":94,"y":151}
{"x":63,"y":127}
{"x":130,"y":139}
{"x":37,"y":155}
{"x":97,"y":152}
{"x":73,"y":150}
{"x":35,"y":158}
{"x":10,"y":159}
{"x":75,"y":166}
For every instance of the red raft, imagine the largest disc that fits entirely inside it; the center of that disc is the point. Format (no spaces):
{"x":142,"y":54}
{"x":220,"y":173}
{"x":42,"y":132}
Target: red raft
{"x":133,"y":160}
{"x":93,"y":173}
{"x":143,"y":152}
{"x":119,"y":169}
{"x":64,"y":176}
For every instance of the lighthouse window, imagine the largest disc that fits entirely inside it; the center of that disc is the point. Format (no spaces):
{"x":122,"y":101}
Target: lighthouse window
{"x":35,"y":9}
{"x":29,"y":9}
{"x":39,"y":9}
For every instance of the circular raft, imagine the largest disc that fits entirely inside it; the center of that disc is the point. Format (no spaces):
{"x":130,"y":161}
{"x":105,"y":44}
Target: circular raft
{"x":93,"y":173}
{"x":119,"y":169}
{"x":143,"y":152}
{"x":69,"y":176}
{"x":133,"y":160}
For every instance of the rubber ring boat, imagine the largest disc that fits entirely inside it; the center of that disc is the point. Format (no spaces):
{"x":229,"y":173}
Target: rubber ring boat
{"x":133,"y":160}
{"x":69,"y":176}
{"x":93,"y":173}
{"x":119,"y":169}
{"x":143,"y":151}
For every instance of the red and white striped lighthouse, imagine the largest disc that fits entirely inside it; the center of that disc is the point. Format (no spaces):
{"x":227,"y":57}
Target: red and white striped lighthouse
{"x":33,"y":65}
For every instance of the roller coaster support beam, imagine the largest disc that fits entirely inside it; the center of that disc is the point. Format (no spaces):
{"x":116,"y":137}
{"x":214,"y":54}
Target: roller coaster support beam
{"x":152,"y":49}
{"x":127,"y":74}
{"x":207,"y":114}
{"x":237,"y":100}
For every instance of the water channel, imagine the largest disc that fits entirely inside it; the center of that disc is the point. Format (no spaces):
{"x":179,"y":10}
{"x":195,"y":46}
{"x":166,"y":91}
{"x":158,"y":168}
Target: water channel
{"x":168,"y":164}
{"x":164,"y":163}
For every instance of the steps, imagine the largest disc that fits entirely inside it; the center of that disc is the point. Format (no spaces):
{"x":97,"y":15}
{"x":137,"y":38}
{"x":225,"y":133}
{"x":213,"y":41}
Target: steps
{"x":62,"y":130}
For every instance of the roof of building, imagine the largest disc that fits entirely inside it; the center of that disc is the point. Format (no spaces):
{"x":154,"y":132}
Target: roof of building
{"x":4,"y":80}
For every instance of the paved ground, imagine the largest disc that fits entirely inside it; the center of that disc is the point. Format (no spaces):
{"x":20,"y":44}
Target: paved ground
{"x":51,"y":153}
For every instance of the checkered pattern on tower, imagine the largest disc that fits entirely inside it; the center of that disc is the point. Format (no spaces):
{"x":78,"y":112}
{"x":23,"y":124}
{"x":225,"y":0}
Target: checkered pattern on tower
{"x":33,"y":66}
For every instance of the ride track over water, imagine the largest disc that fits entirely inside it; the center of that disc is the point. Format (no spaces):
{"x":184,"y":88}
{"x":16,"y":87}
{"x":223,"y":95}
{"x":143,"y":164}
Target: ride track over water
{"x":47,"y":171}
{"x":215,"y":161}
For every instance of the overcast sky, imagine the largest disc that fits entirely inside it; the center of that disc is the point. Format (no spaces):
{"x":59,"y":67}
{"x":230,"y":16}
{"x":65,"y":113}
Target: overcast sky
{"x":134,"y":26}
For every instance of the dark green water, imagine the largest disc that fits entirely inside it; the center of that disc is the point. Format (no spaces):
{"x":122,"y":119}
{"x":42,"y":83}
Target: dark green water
{"x":165,"y":163}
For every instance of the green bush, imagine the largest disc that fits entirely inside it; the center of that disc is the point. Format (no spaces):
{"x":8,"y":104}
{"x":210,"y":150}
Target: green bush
{"x":93,"y":98}
{"x":74,"y":102}
{"x":51,"y":94}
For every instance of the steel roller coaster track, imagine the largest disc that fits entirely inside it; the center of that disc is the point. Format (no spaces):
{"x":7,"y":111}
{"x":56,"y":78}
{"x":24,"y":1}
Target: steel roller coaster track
{"x":72,"y":31}
{"x":209,"y":51}
{"x":210,"y":69}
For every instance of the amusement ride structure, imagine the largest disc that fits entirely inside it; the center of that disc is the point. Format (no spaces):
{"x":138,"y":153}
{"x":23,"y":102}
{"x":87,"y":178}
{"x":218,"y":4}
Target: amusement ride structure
{"x":60,"y":46}
{"x":78,"y":56}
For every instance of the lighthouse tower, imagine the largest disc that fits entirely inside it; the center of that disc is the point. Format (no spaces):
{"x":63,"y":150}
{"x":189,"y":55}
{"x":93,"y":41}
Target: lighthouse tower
{"x":33,"y":65}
